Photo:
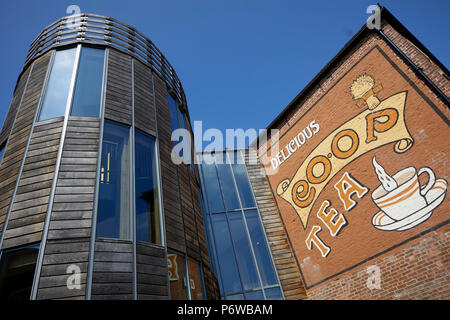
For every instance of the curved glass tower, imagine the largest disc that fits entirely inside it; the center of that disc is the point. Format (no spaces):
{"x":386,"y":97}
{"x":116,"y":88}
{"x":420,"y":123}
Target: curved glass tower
{"x":92,"y":206}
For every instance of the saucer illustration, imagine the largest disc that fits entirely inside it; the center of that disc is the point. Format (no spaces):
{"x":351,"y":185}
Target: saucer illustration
{"x":434,"y":197}
{"x":403,"y":202}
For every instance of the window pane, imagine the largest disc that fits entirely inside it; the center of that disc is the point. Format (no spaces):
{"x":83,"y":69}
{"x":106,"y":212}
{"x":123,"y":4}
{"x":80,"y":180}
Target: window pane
{"x":2,"y":151}
{"x":247,"y":267}
{"x":88,"y":88}
{"x":227,"y":259}
{"x":173,"y":108}
{"x":148,"y":227}
{"x":263,"y":258}
{"x":17,"y":273}
{"x":113,"y":220}
{"x":273,"y":294}
{"x":212,"y":189}
{"x":177,"y":276}
{"x":254,"y":295}
{"x":245,"y":191}
{"x":195,"y":280}
{"x":55,"y":100}
{"x":236,"y":297}
{"x":226,"y":182}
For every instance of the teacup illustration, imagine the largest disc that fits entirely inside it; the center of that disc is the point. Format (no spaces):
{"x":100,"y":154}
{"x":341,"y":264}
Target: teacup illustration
{"x":403,"y":201}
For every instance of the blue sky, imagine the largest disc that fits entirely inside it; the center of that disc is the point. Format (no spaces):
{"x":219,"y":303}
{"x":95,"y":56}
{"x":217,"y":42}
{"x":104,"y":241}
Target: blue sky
{"x":240,"y":62}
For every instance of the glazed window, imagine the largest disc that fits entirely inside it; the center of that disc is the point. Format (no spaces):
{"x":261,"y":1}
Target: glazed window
{"x":88,"y":88}
{"x":148,"y":227}
{"x":17,"y":273}
{"x":113,"y":217}
{"x":2,"y":151}
{"x":58,"y":86}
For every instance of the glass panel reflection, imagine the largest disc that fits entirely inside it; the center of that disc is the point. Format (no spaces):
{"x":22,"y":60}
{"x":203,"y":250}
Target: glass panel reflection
{"x":88,"y":88}
{"x":225,"y":252}
{"x":242,"y":182}
{"x":254,"y":295}
{"x":147,"y":206}
{"x":213,"y":193}
{"x":226,"y":182}
{"x":247,"y":267}
{"x":273,"y":293}
{"x":57,"y":92}
{"x":113,"y":218}
{"x":263,"y":258}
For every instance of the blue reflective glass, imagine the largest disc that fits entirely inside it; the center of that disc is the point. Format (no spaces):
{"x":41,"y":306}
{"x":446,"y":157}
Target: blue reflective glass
{"x":88,"y":87}
{"x":243,"y":184}
{"x":147,"y":205}
{"x":225,"y":252}
{"x":247,"y":267}
{"x":173,"y":108}
{"x":211,"y":185}
{"x":57,"y":92}
{"x":263,"y":258}
{"x":113,"y":217}
{"x":273,"y":293}
{"x":227,"y":183}
{"x":215,"y":263}
{"x":238,"y":296}
{"x":2,"y":151}
{"x":254,"y":295}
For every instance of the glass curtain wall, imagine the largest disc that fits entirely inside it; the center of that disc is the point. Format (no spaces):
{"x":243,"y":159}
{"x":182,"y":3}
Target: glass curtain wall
{"x":241,"y":255}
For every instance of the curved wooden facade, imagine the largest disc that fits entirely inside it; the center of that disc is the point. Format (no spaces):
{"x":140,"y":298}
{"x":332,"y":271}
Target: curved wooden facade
{"x":50,"y":170}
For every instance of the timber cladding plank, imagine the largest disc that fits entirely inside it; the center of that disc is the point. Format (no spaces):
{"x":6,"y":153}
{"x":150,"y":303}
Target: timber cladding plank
{"x":29,"y":228}
{"x":144,"y":109}
{"x":151,"y":267}
{"x":284,"y":260}
{"x":71,"y":217}
{"x":113,"y":270}
{"x":118,"y":99}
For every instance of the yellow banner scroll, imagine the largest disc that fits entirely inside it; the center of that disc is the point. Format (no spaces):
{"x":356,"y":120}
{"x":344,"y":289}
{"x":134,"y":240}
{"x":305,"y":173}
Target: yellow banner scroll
{"x":368,"y":130}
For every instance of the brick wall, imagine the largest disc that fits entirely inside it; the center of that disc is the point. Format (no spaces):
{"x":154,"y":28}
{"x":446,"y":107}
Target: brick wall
{"x":419,"y":270}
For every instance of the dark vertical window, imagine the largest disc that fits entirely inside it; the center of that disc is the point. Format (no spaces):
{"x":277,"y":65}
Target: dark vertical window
{"x":213,"y":193}
{"x":148,"y":227}
{"x":113,"y":217}
{"x":57,"y":91}
{"x":88,"y":88}
{"x":226,"y":182}
{"x":2,"y":151}
{"x":17,"y":273}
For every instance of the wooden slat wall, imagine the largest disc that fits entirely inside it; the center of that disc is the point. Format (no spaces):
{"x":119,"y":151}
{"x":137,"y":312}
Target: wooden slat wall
{"x":211,"y":284}
{"x":18,"y":139}
{"x":284,"y":259}
{"x":118,"y":88}
{"x":71,"y":217}
{"x":190,"y":228}
{"x":29,"y":209}
{"x":144,"y":109}
{"x":203,"y":248}
{"x":151,"y":268}
{"x":171,"y":201}
{"x":112,"y":278}
{"x":12,"y":111}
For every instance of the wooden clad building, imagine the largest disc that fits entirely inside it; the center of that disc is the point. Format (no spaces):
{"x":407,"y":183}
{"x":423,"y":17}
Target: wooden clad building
{"x":91,"y":204}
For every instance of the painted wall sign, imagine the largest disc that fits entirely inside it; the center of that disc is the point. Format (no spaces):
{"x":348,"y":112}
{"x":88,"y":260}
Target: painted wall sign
{"x":374,"y":176}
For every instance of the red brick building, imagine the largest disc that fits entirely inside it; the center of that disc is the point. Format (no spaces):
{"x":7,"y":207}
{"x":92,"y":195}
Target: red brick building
{"x":359,"y":171}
